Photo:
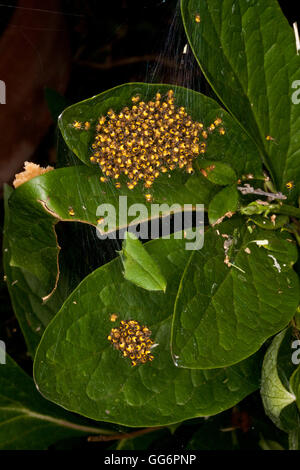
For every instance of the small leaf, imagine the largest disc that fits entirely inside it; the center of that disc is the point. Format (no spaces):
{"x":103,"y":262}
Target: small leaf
{"x":267,"y":224}
{"x":295,"y":384}
{"x":224,"y":202}
{"x":276,"y":388}
{"x":294,"y":439}
{"x":139,"y":266}
{"x":267,"y":444}
{"x":217,"y":172}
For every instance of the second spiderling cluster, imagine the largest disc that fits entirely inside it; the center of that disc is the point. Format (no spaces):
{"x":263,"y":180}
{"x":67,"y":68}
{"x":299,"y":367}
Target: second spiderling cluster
{"x":133,"y":341}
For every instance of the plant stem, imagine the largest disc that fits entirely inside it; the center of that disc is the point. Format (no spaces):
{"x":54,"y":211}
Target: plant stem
{"x":285,"y":209}
{"x":116,"y":437}
{"x":295,"y":231}
{"x":259,"y":208}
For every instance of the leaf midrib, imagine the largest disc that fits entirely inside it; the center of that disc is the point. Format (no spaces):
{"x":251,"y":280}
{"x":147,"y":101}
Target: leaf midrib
{"x":25,"y":412}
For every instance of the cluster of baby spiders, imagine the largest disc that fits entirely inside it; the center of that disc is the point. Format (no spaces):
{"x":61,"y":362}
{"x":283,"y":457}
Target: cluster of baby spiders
{"x":146,"y":140}
{"x":133,"y":340}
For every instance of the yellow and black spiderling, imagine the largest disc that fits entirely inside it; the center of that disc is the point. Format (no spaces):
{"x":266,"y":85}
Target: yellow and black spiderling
{"x":133,"y":341}
{"x":148,"y":139}
{"x":77,"y":125}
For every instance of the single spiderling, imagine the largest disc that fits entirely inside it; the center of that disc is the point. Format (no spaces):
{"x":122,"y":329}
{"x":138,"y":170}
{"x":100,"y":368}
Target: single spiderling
{"x":77,"y":125}
{"x":269,"y":138}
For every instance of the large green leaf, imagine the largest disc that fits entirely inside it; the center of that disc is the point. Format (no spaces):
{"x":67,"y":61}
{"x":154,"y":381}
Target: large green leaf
{"x":77,"y":367}
{"x":28,"y":421}
{"x":234,"y":148}
{"x":278,"y":391}
{"x":224,"y":311}
{"x":247,"y":52}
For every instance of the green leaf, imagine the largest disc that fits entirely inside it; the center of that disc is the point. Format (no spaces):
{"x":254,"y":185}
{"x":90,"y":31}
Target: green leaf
{"x":224,"y":202}
{"x":139,"y":266}
{"x":267,"y":444}
{"x":78,"y":368}
{"x":294,"y":439}
{"x":276,"y":389}
{"x":236,"y":292}
{"x":268,"y":224}
{"x":26,"y":292}
{"x":295,"y":382}
{"x":234,"y":148}
{"x":73,"y":195}
{"x":28,"y":421}
{"x":247,"y":52}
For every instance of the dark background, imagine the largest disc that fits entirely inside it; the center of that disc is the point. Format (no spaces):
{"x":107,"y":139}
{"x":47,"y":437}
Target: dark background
{"x":54,"y":53}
